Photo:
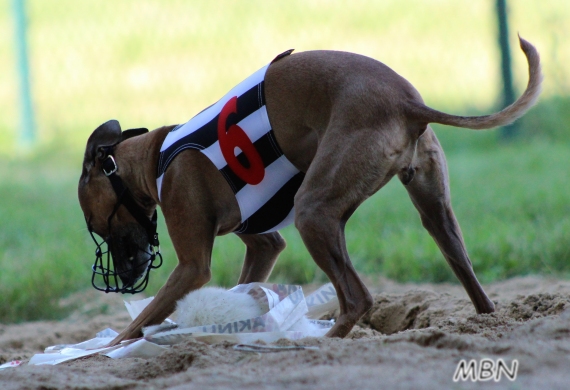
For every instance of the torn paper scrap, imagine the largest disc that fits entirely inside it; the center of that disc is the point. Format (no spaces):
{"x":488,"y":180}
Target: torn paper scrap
{"x":64,"y":355}
{"x":322,"y":301}
{"x":138,"y":349}
{"x":135,"y":307}
{"x":13,"y":363}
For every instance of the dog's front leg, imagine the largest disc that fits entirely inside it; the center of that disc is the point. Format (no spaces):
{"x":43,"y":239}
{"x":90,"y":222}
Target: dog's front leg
{"x":260,"y":257}
{"x":182,"y":280}
{"x":193,"y":209}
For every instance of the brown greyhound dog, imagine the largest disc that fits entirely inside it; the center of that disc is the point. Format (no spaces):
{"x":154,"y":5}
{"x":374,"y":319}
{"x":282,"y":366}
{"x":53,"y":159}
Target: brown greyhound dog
{"x":347,"y":122}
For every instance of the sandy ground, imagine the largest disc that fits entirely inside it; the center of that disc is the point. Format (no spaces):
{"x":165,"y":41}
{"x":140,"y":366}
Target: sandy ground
{"x":413,"y":338}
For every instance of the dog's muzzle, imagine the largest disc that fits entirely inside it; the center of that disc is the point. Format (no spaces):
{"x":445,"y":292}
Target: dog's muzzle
{"x":106,"y":278}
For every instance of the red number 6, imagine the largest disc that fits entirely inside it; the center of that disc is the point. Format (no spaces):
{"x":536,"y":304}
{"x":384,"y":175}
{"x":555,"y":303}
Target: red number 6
{"x":234,"y":137}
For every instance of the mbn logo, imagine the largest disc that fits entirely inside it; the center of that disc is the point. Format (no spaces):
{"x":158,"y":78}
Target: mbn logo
{"x":488,"y":369}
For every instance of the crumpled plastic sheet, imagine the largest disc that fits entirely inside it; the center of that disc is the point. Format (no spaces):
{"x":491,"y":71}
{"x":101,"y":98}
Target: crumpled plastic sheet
{"x":289,"y":315}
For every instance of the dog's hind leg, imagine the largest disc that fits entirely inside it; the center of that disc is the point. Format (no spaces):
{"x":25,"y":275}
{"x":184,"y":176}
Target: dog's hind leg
{"x":429,"y":191}
{"x":260,"y":256}
{"x":348,"y":167}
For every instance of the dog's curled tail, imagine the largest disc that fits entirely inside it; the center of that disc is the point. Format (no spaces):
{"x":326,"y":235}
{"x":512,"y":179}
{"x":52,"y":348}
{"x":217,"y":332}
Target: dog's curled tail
{"x":423,"y":113}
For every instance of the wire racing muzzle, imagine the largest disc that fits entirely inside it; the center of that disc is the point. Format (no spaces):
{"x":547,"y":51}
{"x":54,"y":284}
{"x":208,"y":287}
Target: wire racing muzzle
{"x":106,"y":278}
{"x":105,"y":275}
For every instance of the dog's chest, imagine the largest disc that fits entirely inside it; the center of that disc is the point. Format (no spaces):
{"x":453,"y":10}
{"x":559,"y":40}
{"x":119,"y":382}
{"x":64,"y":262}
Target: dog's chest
{"x":235,"y":134}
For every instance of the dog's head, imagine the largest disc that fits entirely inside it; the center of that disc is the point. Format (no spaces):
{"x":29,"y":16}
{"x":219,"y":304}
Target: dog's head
{"x":105,"y":212}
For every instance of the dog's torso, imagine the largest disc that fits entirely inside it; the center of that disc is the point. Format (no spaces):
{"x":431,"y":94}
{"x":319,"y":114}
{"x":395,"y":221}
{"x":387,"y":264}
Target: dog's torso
{"x":261,"y":177}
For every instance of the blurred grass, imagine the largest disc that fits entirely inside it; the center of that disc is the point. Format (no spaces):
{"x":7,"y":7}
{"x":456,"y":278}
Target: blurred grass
{"x":149,"y":63}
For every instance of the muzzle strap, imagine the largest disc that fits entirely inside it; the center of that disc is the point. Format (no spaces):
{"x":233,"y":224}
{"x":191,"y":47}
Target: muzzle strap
{"x":125,"y":198}
{"x":102,"y":269}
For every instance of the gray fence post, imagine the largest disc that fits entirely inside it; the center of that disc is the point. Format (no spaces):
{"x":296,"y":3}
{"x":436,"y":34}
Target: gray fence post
{"x":506,"y":71}
{"x":27,"y":122}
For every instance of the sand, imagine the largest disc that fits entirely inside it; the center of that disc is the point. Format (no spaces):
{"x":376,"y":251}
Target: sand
{"x":414,"y":337}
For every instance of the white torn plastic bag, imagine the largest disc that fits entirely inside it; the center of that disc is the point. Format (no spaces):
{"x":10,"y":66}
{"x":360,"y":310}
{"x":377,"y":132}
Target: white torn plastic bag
{"x":287,"y":313}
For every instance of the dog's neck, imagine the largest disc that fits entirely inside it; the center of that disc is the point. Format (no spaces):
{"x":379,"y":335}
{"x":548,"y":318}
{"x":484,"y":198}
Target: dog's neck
{"x":137,"y":160}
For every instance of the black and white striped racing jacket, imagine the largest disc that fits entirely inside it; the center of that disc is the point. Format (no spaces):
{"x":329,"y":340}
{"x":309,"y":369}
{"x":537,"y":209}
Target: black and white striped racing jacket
{"x":236,"y":135}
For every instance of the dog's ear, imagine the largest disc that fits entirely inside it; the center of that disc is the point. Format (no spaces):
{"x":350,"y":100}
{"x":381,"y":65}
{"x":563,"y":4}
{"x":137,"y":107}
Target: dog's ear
{"x":109,"y":133}
{"x":132,"y":133}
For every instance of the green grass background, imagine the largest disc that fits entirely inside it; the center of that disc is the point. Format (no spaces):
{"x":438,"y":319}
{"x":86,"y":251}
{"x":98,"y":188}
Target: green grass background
{"x":149,"y":63}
